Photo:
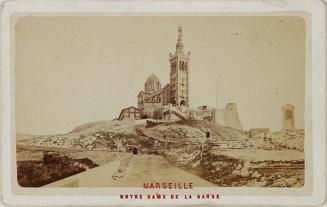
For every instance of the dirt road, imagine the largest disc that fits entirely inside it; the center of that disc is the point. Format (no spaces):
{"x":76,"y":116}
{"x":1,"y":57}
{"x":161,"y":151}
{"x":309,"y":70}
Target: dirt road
{"x":132,"y":171}
{"x":152,"y":168}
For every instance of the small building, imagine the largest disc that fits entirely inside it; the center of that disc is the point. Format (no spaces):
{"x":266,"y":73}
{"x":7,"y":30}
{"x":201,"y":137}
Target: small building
{"x":204,"y":112}
{"x":130,"y":113}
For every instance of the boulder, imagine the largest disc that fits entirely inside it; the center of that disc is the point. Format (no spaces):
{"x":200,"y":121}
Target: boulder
{"x":236,"y":172}
{"x":239,"y":167}
{"x":256,"y":175}
{"x":290,"y":181}
{"x":244,"y":172}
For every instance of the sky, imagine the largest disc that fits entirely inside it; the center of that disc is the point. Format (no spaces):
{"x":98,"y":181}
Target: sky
{"x":74,"y":70}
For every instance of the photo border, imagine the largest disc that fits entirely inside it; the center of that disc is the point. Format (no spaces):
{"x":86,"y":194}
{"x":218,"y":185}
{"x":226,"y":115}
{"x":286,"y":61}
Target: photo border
{"x":315,"y":115}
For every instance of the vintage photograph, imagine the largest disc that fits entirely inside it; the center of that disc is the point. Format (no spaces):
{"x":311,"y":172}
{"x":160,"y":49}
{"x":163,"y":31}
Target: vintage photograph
{"x":160,"y":101}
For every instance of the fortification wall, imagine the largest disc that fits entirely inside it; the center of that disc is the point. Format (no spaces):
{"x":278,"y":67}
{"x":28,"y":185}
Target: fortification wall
{"x":227,"y":117}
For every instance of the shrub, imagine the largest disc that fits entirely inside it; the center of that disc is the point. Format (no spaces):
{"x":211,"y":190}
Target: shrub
{"x":54,"y":167}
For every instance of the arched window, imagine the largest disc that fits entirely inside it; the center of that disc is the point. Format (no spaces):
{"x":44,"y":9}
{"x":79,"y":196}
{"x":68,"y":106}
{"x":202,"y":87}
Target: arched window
{"x":183,"y":103}
{"x":288,"y":114}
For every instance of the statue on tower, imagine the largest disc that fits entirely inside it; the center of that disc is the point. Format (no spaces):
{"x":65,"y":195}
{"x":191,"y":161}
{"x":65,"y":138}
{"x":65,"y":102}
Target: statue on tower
{"x":179,"y":44}
{"x":180,"y":33}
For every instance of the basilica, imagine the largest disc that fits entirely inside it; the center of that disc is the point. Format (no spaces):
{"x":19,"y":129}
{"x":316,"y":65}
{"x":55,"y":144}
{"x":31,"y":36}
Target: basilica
{"x":171,"y":101}
{"x":176,"y":93}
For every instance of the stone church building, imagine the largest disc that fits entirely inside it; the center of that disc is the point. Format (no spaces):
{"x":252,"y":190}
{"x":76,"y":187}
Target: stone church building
{"x":176,"y":93}
{"x":171,"y":101}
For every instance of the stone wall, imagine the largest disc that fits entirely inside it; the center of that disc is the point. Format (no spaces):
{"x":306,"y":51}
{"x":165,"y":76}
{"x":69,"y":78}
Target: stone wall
{"x":227,"y":117}
{"x":149,"y":109}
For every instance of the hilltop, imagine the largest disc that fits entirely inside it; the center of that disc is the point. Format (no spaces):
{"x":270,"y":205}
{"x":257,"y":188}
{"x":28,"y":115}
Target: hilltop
{"x":117,"y":135}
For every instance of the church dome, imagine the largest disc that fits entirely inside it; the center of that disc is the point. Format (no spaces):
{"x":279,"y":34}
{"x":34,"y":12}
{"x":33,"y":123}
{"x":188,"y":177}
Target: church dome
{"x":152,"y":84}
{"x":152,"y":78}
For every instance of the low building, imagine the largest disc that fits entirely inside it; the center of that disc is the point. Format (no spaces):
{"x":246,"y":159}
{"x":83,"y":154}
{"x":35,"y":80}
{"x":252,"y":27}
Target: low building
{"x":130,"y":113}
{"x":204,"y":113}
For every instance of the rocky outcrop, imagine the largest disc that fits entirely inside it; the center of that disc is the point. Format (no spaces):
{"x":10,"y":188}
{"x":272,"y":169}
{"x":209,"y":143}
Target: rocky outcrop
{"x":289,"y":138}
{"x":284,"y":139}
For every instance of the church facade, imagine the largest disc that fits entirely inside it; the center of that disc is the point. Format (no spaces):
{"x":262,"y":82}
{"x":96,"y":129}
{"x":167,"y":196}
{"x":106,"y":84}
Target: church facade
{"x":176,"y":92}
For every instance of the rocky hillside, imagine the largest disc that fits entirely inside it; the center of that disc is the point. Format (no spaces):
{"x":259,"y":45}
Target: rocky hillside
{"x":284,"y":139}
{"x":118,"y":136}
{"x":105,"y":135}
{"x":227,"y":157}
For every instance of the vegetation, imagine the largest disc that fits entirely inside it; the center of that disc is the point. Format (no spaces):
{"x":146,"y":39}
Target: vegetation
{"x":53,"y":167}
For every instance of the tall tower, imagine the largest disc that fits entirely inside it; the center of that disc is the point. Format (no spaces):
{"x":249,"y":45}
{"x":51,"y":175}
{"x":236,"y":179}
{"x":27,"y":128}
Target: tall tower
{"x":288,"y":116}
{"x":179,"y":73}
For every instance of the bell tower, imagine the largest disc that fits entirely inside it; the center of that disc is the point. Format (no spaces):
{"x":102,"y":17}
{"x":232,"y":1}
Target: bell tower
{"x":179,"y":73}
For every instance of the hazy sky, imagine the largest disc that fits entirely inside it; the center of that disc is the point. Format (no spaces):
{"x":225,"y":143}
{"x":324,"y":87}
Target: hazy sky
{"x":74,"y":70}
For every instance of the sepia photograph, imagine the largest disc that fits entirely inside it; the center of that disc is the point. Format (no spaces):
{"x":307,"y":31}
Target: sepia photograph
{"x":163,"y":103}
{"x":130,"y":101}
